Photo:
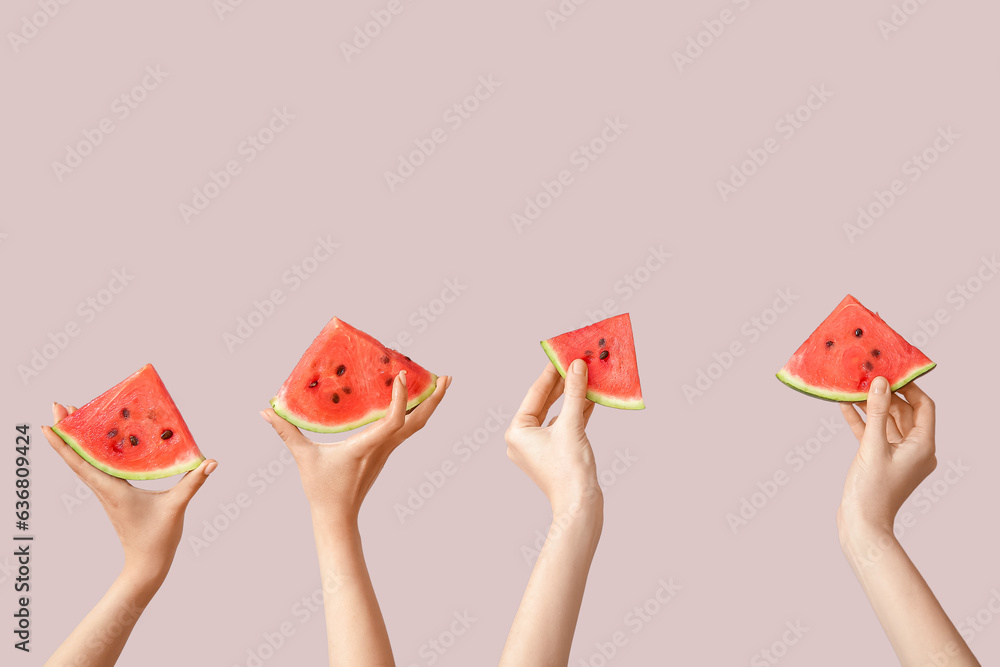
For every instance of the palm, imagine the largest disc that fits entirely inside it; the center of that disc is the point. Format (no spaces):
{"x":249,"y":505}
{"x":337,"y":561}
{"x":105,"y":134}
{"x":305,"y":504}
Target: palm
{"x":148,"y":523}
{"x":339,"y":475}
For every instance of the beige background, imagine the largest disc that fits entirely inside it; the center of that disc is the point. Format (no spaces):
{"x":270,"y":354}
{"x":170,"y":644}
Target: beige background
{"x":655,"y":185}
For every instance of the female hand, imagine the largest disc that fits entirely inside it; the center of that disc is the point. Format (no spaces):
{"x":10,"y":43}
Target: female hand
{"x":557,"y":457}
{"x":149,"y":526}
{"x":896,"y":453}
{"x":148,"y":523}
{"x":336,"y":477}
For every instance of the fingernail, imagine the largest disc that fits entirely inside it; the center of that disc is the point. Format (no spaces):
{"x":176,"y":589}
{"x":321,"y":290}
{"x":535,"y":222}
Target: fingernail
{"x":210,"y":468}
{"x":266,"y":416}
{"x":880,"y":385}
{"x":402,"y":378}
{"x":578,"y":366}
{"x":447,"y":383}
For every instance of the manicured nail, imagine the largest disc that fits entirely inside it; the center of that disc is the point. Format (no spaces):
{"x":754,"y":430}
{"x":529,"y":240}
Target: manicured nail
{"x":579,"y":366}
{"x":447,"y":383}
{"x":266,"y":416}
{"x":210,"y":468}
{"x":880,"y":385}
{"x":402,"y":378}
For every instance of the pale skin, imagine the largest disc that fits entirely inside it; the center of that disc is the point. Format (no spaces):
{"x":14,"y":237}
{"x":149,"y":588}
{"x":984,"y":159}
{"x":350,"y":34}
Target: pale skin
{"x":336,"y":478}
{"x":149,"y":525}
{"x":896,"y":453}
{"x":559,"y":459}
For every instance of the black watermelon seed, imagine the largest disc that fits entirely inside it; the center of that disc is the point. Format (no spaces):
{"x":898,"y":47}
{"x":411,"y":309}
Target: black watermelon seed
{"x":112,"y":433}
{"x":341,"y":369}
{"x":166,"y":435}
{"x":407,"y":358}
{"x":388,"y":381}
{"x":876,"y":353}
{"x":601,"y":342}
{"x":868,"y":366}
{"x":385,"y":359}
{"x":346,"y":390}
{"x":829,"y":343}
{"x":336,"y":398}
{"x":858,"y":332}
{"x":134,"y":440}
{"x":125,"y":413}
{"x":604,"y":354}
{"x":313,"y":383}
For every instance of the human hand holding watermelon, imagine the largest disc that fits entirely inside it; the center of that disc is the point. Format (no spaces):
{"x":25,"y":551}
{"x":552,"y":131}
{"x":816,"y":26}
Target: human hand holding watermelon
{"x":895,"y":454}
{"x":559,"y":459}
{"x":148,"y":523}
{"x":336,"y":478}
{"x":149,"y":526}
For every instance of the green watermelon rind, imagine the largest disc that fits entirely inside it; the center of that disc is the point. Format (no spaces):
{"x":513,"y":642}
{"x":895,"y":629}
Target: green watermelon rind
{"x":601,"y":399}
{"x":798,"y":384}
{"x":374,"y":415}
{"x":126,"y":474}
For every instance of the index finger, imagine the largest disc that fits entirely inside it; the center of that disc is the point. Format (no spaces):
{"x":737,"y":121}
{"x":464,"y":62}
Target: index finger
{"x":535,"y":401}
{"x":923,"y":406}
{"x":88,"y":473}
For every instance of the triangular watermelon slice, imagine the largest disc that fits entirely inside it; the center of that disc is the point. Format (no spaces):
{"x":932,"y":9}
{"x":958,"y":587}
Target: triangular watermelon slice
{"x":608,"y":349}
{"x":133,"y":431}
{"x":344,"y":380}
{"x":852,"y":347}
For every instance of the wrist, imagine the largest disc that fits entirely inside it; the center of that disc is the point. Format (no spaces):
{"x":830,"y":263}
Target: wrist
{"x":853,"y":527}
{"x":141,"y":583}
{"x":335,"y":521}
{"x":585,"y":508}
{"x":864,"y":541}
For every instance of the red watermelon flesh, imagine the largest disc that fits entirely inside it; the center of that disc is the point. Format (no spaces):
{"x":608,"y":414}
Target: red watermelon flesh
{"x":852,"y":347}
{"x":608,"y":349}
{"x":344,"y":380}
{"x":133,"y":431}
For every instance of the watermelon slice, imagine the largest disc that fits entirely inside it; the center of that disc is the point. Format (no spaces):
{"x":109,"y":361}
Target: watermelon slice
{"x":344,"y":380}
{"x":608,"y":349}
{"x":133,"y":430}
{"x":852,"y":347}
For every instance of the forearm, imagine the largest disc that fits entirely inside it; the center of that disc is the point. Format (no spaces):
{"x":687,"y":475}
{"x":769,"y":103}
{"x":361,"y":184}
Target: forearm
{"x":913,"y":620}
{"x":542,"y":632}
{"x":356,"y":633}
{"x":100,"y":637}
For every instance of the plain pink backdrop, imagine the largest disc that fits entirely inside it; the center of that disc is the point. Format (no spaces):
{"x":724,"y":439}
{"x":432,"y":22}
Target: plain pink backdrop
{"x":679,"y":131}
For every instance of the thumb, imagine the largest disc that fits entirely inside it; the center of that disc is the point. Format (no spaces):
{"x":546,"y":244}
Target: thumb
{"x":877,"y":411}
{"x":192,"y":481}
{"x":575,"y":401}
{"x":289,"y":433}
